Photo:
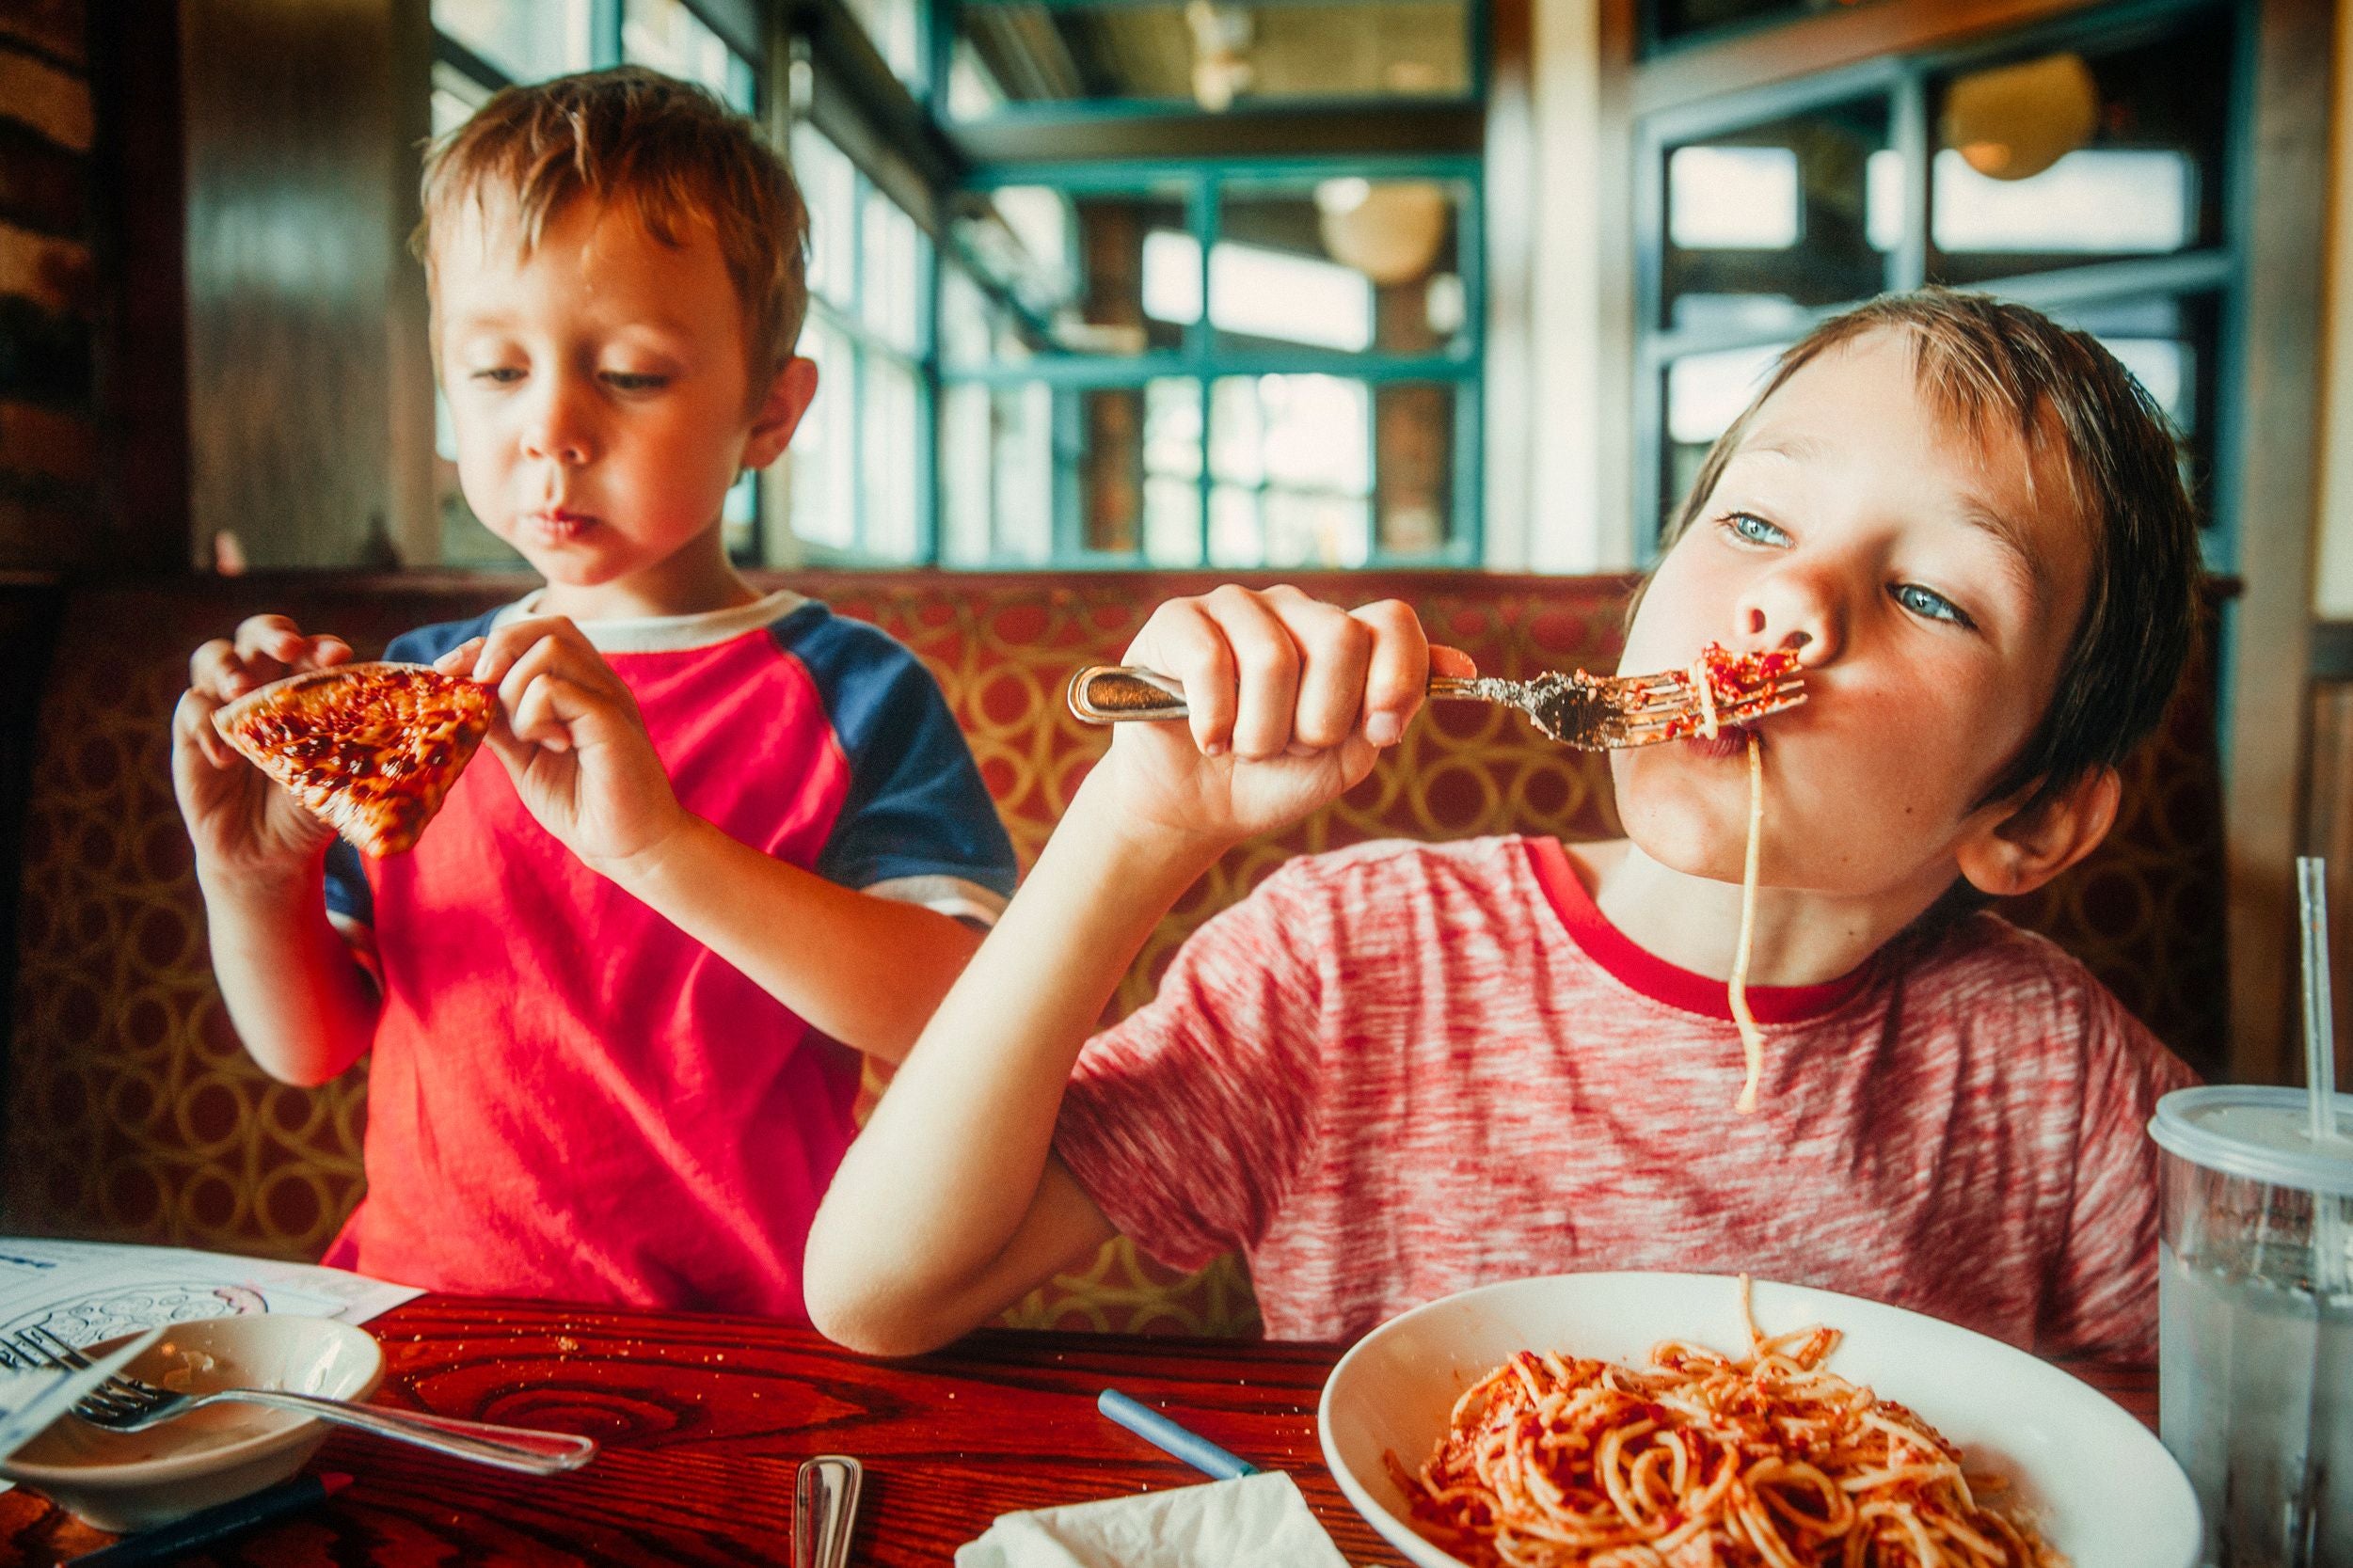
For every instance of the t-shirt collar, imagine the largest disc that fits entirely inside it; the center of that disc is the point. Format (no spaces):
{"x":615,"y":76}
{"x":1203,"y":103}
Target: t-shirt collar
{"x":1648,"y":974}
{"x":665,"y":634}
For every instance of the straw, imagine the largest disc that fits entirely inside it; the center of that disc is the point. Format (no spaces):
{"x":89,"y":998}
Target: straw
{"x":2320,"y":1029}
{"x":2329,"y":1262}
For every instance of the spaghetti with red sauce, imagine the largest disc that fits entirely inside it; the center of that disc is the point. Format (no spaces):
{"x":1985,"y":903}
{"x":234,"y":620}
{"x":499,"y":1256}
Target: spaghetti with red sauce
{"x":1704,"y":1462}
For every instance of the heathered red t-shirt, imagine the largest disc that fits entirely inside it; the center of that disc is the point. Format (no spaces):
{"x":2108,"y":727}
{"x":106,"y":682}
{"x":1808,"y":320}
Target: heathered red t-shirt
{"x":1403,"y":1070}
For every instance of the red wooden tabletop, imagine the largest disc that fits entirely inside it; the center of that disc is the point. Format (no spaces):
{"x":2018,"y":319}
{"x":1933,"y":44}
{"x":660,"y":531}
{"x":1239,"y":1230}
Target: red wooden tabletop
{"x":705,"y":1418}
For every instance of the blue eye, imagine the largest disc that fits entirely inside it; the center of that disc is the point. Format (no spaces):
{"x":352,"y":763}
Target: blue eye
{"x":1751,"y":529}
{"x":1930,"y":606}
{"x":624,"y":381}
{"x":499,"y":375}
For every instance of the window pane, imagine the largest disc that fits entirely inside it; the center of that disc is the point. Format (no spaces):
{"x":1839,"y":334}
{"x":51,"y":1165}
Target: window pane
{"x":2072,"y":157}
{"x":529,"y":39}
{"x":1213,"y":55}
{"x":822,"y":464}
{"x":894,"y":28}
{"x":891,"y":458}
{"x":1346,"y":263}
{"x":1413,"y":467}
{"x":996,"y":474}
{"x":455,"y":96}
{"x":1107,"y":455}
{"x":1091,"y":271}
{"x":665,"y":35}
{"x":890,"y":294}
{"x":1303,"y":444}
{"x":977,"y":324}
{"x":1769,"y":221}
{"x":2170,"y":345}
{"x":829,"y":187}
{"x":1704,"y":393}
{"x":1172,"y":471}
{"x":739,"y":516}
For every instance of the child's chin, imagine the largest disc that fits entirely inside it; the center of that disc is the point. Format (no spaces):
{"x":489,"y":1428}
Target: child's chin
{"x":1684,"y":840}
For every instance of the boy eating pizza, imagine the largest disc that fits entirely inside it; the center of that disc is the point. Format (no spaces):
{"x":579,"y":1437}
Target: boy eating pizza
{"x":615,"y":993}
{"x":1401,"y":1069}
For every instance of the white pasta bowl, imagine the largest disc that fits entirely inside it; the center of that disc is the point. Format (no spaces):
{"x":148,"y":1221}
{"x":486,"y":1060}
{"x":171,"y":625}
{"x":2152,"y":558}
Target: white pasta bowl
{"x":2096,"y":1482}
{"x":125,"y":1481}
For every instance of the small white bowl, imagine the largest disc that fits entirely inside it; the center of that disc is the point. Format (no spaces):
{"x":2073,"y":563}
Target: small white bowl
{"x":2099,"y":1484}
{"x":125,"y":1481}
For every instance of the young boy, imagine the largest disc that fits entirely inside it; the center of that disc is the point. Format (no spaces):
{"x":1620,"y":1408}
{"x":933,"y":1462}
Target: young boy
{"x":1401,"y":1069}
{"x":724,"y":831}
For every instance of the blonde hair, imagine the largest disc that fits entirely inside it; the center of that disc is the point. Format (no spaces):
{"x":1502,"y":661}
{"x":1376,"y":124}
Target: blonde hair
{"x":671,"y":150}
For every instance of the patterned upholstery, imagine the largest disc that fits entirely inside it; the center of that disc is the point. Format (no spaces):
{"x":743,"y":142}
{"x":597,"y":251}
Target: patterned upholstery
{"x":133,"y":1113}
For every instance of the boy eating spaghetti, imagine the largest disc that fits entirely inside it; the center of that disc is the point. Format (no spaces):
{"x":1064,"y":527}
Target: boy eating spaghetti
{"x":1399,"y":1070}
{"x":603,"y":992}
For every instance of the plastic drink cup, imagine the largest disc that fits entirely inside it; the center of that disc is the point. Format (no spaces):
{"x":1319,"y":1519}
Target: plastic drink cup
{"x":2255,"y":1293}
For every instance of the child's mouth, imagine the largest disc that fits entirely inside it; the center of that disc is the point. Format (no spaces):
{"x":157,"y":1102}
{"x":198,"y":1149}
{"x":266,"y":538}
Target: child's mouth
{"x":556,"y":526}
{"x":1728,"y":742}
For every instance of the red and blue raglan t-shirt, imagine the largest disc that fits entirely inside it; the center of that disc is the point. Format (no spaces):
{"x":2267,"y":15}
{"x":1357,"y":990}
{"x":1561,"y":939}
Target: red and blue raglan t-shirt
{"x":568,"y":1096}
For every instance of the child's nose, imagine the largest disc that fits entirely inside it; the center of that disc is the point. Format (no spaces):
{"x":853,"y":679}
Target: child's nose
{"x":558,"y":430}
{"x":1791,"y":617}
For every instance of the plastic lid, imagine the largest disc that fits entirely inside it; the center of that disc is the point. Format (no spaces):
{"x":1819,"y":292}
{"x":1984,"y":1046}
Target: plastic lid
{"x":2261,"y":1131}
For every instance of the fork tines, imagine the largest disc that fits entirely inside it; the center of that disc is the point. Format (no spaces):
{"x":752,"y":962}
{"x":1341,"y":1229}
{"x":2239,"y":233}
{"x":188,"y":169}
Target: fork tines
{"x":1650,"y":725}
{"x":118,"y":1395}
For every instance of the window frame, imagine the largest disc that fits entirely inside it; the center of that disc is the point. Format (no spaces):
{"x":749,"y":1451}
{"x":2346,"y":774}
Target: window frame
{"x":1204,"y":360}
{"x":2214,"y":272}
{"x":867,"y":344}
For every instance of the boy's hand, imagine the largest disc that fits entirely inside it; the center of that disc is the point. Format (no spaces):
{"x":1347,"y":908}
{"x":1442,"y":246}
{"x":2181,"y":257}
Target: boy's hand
{"x":243,"y":824}
{"x":570,"y":735}
{"x":1291,"y":702}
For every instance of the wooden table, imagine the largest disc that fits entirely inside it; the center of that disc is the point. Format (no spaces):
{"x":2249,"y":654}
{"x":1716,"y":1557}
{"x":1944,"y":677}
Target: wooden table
{"x":705,"y":1418}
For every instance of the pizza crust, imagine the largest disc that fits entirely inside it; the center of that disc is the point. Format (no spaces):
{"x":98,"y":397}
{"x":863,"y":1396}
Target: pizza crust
{"x":370,"y":748}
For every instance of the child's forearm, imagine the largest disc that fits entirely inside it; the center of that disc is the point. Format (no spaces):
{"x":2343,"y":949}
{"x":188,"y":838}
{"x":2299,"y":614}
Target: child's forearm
{"x":301,"y":1003}
{"x":943,"y":1211}
{"x":866,"y":972}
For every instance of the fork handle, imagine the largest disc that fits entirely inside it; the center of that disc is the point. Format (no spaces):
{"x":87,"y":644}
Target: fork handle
{"x":1116,"y":693}
{"x":539,"y":1453}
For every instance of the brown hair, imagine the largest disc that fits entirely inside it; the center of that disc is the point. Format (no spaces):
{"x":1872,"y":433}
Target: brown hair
{"x":673,"y":150}
{"x":1983,"y":359}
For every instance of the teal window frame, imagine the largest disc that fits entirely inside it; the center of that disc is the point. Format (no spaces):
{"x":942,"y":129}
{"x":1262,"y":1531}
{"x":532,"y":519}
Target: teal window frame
{"x":1202,"y":358}
{"x":867,"y":344}
{"x":2215,"y":273}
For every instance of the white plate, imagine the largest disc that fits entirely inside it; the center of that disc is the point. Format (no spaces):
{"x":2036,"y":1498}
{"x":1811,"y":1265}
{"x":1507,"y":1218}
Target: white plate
{"x":2096,"y":1481}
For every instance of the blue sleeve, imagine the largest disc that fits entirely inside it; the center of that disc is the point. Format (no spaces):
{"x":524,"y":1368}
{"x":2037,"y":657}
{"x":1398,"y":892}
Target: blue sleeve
{"x":917,"y":806}
{"x":348,"y":892}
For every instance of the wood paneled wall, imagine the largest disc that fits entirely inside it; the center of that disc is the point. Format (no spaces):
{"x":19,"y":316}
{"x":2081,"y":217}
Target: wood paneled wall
{"x":49,"y":288}
{"x":2328,"y":830}
{"x":311,"y":411}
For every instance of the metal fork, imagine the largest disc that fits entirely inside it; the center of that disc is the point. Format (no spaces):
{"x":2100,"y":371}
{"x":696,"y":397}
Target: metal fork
{"x":1594,"y":713}
{"x":124,"y":1404}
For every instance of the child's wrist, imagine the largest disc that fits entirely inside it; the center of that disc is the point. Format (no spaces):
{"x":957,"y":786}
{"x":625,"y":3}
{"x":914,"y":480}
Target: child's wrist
{"x":1130,"y":834}
{"x":653,"y":861}
{"x":270,"y":883}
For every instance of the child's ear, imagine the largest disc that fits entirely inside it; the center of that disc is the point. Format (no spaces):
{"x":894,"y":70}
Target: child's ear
{"x":2018,"y":849}
{"x":779,"y":413}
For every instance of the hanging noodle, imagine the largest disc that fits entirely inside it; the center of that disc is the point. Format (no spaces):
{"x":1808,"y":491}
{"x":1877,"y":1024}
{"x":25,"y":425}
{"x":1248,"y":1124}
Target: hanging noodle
{"x":1704,"y":1462}
{"x":1751,"y":1038}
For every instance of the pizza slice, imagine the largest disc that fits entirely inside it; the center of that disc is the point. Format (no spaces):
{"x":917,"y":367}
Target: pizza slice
{"x":369,"y":749}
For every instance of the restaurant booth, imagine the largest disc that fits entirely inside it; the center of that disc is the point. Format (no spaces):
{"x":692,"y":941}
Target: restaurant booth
{"x":1438,"y":300}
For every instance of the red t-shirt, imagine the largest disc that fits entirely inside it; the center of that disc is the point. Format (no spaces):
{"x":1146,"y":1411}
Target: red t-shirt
{"x":1403,"y":1070}
{"x":570,"y":1096}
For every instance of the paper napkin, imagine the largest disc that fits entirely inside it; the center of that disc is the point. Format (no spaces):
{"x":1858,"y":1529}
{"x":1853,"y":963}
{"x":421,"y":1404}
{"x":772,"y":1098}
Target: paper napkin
{"x":31,"y":1397}
{"x":1256,"y":1522}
